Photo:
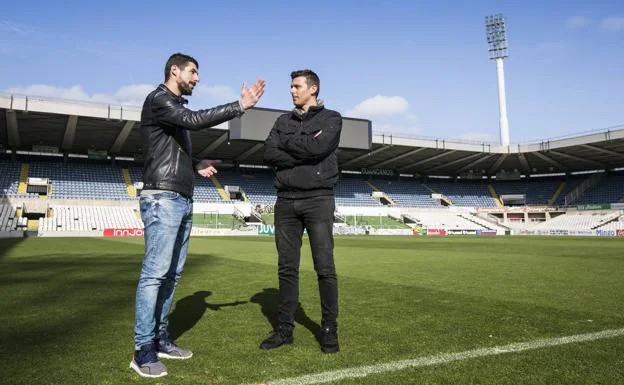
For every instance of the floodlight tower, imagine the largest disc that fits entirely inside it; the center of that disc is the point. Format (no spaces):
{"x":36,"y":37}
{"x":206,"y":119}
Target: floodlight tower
{"x":497,"y":41}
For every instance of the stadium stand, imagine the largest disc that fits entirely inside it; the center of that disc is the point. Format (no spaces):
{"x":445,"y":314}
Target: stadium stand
{"x":9,"y":176}
{"x":81,"y":180}
{"x":608,"y":190}
{"x":486,"y":224}
{"x":576,"y":221}
{"x":8,"y":220}
{"x":92,"y":181}
{"x":89,"y":218}
{"x":257,"y":184}
{"x":465,"y":193}
{"x":445,"y":220}
{"x":353,"y":191}
{"x":205,"y":191}
{"x":572,"y":182}
{"x":406,"y":193}
{"x":617,"y":224}
{"x":536,"y":191}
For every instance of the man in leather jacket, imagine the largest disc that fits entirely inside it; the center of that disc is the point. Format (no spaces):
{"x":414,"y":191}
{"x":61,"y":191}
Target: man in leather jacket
{"x":166,"y":202}
{"x":302,"y":147}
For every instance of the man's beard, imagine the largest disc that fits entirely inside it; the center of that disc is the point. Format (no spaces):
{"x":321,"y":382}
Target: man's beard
{"x":186,"y":89}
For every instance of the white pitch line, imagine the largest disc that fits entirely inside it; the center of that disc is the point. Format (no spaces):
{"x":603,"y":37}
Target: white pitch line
{"x":363,"y":371}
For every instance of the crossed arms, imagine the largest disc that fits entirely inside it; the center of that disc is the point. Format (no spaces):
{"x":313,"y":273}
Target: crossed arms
{"x":284,"y":150}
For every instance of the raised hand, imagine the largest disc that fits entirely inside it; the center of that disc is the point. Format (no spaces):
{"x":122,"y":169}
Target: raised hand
{"x":251,"y":95}
{"x":206,"y":167}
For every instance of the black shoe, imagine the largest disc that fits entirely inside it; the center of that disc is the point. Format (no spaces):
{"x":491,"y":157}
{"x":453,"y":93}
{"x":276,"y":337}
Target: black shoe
{"x":277,"y":338}
{"x":329,"y":341}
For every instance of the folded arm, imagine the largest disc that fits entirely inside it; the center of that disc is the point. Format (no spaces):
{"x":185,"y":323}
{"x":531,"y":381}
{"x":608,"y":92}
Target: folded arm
{"x":316,"y":146}
{"x":275,"y":156}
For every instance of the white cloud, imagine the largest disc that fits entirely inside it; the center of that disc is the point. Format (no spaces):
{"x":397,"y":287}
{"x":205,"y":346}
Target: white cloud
{"x":410,"y":117}
{"x":8,"y":26}
{"x":388,"y":114}
{"x":133,"y":92}
{"x":396,"y":129}
{"x":130,"y":95}
{"x":577,"y":22}
{"x":45,"y":90}
{"x":219,"y":94}
{"x":380,"y":106}
{"x":613,"y":23}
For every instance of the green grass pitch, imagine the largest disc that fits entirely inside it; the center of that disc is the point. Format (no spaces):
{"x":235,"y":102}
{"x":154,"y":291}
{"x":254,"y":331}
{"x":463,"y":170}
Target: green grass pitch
{"x":67,"y":310}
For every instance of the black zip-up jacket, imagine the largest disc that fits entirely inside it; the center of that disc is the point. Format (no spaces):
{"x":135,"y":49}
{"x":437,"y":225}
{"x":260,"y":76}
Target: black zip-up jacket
{"x":165,"y":135}
{"x":302,"y":147}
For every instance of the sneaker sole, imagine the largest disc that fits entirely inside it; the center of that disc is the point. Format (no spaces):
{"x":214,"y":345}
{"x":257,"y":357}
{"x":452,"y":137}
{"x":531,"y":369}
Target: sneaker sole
{"x":168,"y":356}
{"x":136,"y":368}
{"x":276,"y":347}
{"x":330,"y":350}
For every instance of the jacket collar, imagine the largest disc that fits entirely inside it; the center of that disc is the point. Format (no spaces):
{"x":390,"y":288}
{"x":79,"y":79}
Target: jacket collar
{"x":179,"y":99}
{"x":313,"y":110}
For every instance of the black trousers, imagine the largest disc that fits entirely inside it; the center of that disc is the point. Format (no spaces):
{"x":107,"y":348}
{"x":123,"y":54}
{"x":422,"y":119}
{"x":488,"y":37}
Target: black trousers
{"x":316,"y":215}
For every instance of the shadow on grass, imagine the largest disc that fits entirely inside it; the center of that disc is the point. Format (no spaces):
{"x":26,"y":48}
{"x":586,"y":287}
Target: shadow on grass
{"x":189,"y":310}
{"x":59,"y":299}
{"x":268,"y":299}
{"x":7,"y":244}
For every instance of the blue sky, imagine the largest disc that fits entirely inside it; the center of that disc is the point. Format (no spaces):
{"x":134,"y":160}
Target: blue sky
{"x":413,"y":68}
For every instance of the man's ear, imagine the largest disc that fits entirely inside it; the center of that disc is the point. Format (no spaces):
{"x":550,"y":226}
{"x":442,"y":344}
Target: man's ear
{"x":314,"y":90}
{"x":175,"y":70}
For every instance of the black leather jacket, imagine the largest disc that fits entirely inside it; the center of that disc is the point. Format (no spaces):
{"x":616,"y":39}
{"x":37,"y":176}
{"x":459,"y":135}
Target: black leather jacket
{"x":165,"y":135}
{"x":302,"y":147}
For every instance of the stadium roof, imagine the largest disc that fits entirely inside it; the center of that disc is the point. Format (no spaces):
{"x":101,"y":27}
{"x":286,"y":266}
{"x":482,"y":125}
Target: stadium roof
{"x":36,"y":124}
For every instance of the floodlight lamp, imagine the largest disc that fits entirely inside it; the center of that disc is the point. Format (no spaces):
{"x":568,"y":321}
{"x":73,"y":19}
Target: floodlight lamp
{"x":496,"y":36}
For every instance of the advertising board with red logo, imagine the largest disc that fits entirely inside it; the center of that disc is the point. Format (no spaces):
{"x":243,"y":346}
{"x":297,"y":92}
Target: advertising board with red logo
{"x":123,"y":232}
{"x":436,"y":232}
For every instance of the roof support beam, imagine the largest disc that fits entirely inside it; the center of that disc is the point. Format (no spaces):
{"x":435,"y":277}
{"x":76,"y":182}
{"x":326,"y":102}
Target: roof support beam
{"x":411,"y":152}
{"x":525,"y":163}
{"x":121,"y":138}
{"x":364,"y":156}
{"x":603,"y":150}
{"x":453,"y":162}
{"x":250,"y":152}
{"x":497,"y":164}
{"x":579,"y":159}
{"x":474,"y":163}
{"x":213,"y":146}
{"x":70,"y":132}
{"x":551,"y":161}
{"x":12,"y":131}
{"x":427,"y":160}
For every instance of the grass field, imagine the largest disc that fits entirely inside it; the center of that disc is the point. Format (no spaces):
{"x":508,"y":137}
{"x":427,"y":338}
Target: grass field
{"x":66,"y":314}
{"x":215,"y":221}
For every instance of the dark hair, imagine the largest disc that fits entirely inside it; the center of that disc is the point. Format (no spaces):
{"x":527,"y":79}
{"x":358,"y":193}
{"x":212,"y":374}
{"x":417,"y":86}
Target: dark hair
{"x":180,"y":60}
{"x":311,"y":77}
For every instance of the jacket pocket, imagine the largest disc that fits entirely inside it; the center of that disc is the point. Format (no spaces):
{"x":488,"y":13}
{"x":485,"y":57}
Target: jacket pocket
{"x":281,"y":178}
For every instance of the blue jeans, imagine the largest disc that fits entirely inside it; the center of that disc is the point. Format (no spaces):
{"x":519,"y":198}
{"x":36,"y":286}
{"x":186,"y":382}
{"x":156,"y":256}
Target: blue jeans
{"x":168,"y":218}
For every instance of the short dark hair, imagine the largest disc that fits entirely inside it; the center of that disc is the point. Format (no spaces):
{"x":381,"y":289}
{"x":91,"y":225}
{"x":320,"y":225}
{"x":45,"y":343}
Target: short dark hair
{"x":180,"y":60}
{"x":311,"y":77}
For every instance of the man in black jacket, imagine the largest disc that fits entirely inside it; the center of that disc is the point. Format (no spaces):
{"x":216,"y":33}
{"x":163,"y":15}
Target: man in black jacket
{"x":302,"y":148}
{"x":167,"y":202}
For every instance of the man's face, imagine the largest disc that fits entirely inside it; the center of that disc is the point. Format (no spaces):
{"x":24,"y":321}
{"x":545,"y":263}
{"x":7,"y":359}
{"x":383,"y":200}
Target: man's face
{"x":300,"y":92}
{"x":187,"y":78}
